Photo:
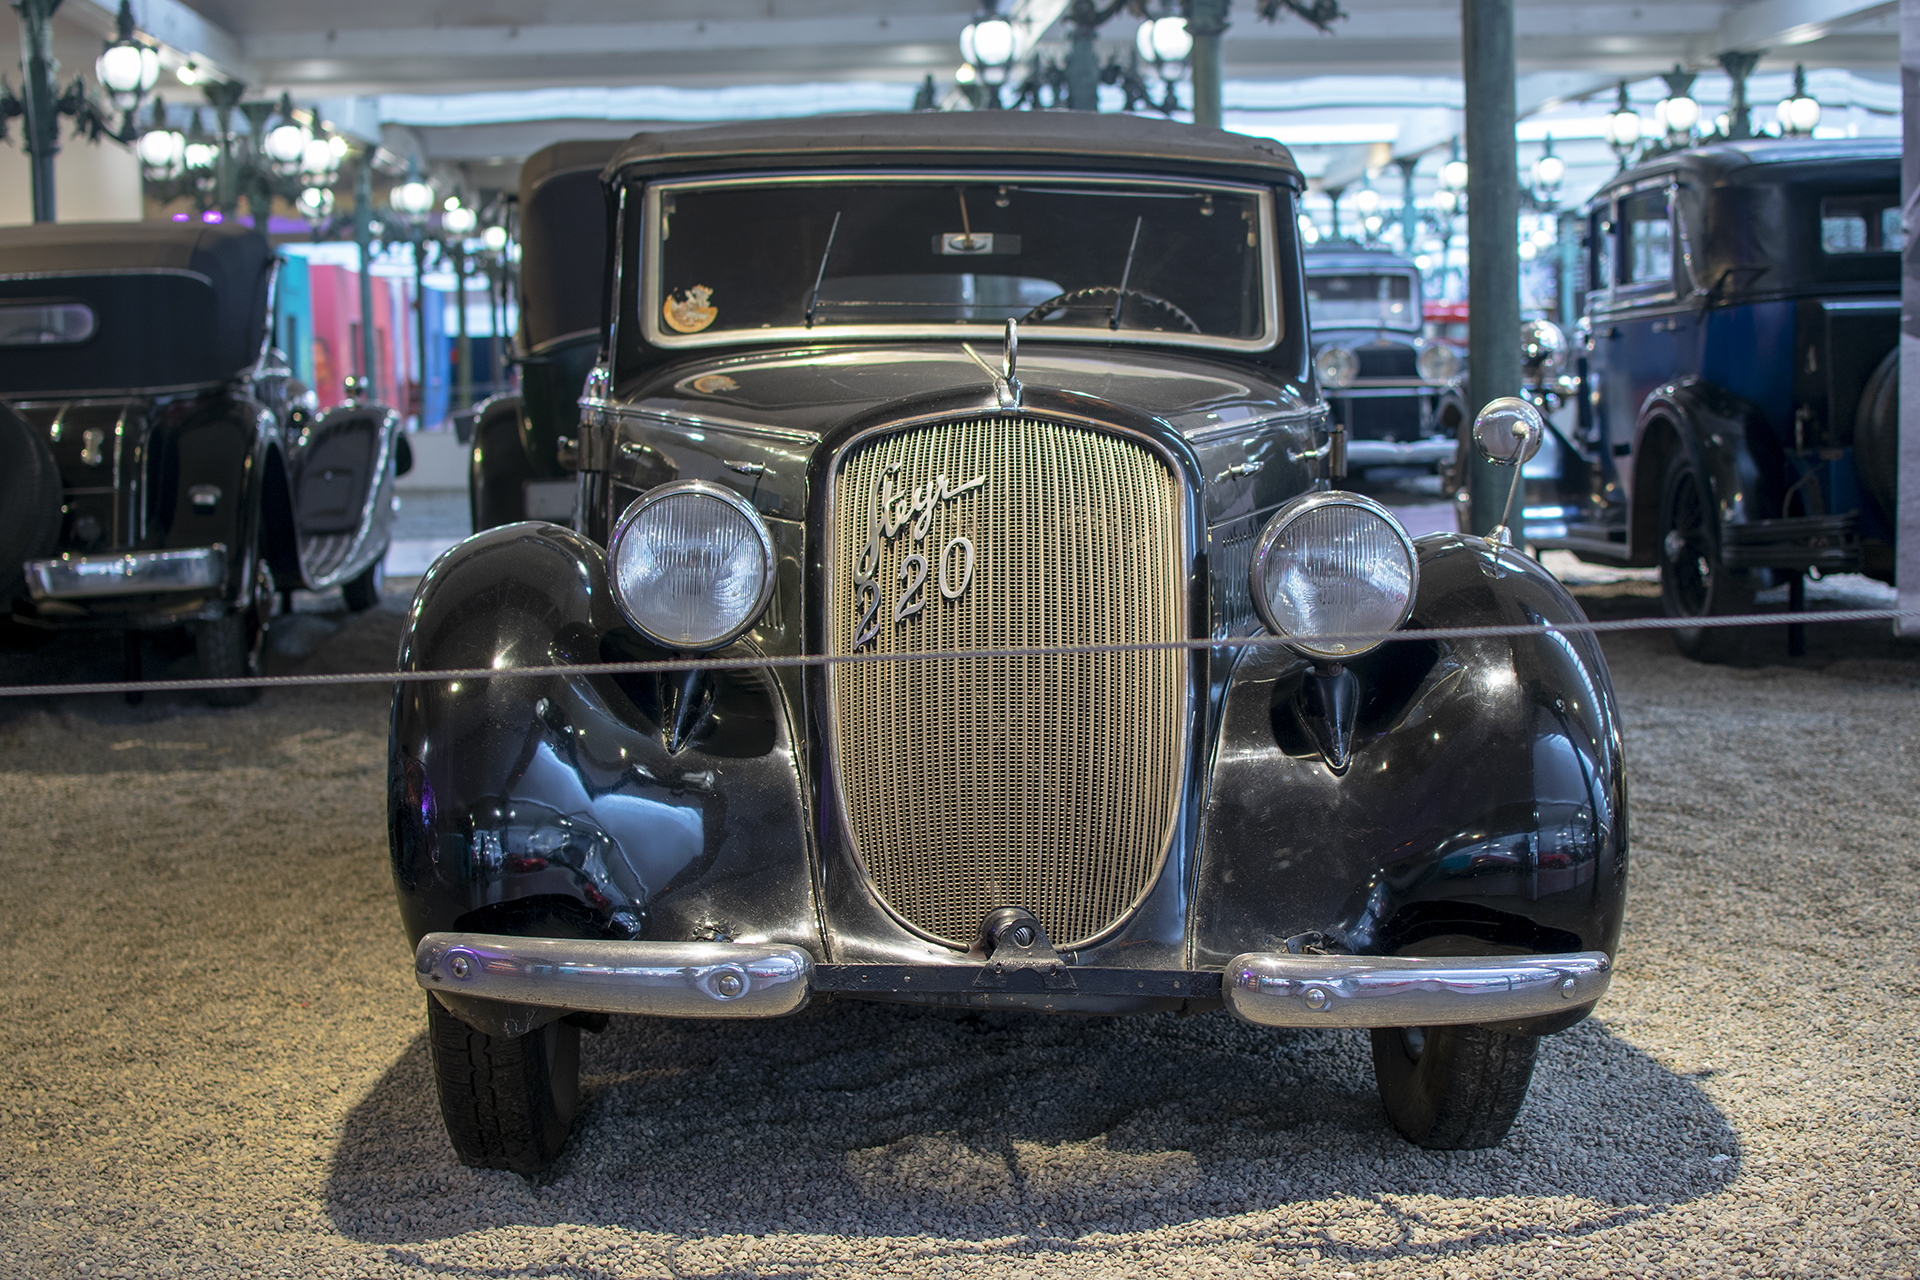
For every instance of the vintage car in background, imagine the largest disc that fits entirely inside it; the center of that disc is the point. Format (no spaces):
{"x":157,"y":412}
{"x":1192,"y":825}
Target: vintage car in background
{"x":1382,"y":378}
{"x":159,"y":465}
{"x":1738,"y":375}
{"x":522,"y":464}
{"x":885,"y":403}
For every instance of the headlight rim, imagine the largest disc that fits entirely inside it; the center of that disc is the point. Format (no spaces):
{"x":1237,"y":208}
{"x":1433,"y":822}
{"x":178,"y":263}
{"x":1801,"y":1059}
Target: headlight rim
{"x":1352,"y":356}
{"x":708,"y":488}
{"x":1455,"y":362}
{"x":1286,"y":515}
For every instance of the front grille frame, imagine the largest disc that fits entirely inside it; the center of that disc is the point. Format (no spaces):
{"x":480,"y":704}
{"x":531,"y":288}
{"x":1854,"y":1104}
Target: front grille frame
{"x":838,"y":834}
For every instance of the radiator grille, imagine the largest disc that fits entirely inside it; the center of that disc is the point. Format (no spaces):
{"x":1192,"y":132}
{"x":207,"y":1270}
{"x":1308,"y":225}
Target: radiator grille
{"x":1048,"y":783}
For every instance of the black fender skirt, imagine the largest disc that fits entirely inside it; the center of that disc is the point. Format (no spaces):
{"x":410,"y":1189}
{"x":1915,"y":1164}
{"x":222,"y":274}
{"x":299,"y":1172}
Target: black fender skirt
{"x":553,"y":805}
{"x":1484,"y":808}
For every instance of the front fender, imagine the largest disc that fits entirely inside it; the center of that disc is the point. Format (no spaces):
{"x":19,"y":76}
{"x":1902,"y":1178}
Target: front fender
{"x":1484,"y":811}
{"x":552,"y":805}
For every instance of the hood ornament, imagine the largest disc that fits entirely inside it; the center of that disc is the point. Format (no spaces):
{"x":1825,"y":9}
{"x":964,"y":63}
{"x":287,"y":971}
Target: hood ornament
{"x":1006,"y":383}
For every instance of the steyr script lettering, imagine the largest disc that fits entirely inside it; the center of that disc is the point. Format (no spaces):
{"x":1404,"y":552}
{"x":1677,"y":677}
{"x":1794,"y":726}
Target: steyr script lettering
{"x":892,"y":507}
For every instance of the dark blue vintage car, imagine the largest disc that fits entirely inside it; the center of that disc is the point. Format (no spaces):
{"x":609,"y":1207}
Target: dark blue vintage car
{"x":921,"y":395}
{"x":1737,"y":422}
{"x":1382,"y":379}
{"x":159,"y":465}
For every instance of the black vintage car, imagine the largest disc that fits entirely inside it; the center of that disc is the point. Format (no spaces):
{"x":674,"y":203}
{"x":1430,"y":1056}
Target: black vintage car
{"x":1738,"y":422}
{"x":159,"y":465}
{"x":918,"y":395}
{"x":1383,"y":381}
{"x":522,"y":462}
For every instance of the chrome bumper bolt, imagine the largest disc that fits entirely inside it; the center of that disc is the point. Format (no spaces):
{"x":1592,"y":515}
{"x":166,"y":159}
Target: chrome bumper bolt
{"x":729,"y":985}
{"x":459,"y":966}
{"x":1318,"y":999}
{"x":1566,"y":989}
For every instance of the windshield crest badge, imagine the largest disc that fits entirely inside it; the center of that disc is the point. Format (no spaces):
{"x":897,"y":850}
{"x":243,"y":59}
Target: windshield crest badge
{"x":892,"y":507}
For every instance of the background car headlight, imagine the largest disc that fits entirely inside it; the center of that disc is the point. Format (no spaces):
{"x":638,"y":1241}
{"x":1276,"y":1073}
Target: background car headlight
{"x":1437,"y":362}
{"x":691,"y":564}
{"x":1543,"y":351}
{"x":1336,"y":365}
{"x":1333,"y":564}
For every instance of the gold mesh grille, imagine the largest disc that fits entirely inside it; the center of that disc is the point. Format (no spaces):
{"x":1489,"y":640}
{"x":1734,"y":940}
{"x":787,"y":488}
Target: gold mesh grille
{"x":1047,"y":783}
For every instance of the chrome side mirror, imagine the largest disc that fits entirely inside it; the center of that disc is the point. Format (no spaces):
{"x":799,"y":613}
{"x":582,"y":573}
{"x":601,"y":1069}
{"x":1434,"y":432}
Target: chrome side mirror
{"x":1508,"y":432}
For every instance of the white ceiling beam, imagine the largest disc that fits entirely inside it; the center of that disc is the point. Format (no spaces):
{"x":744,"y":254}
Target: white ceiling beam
{"x":1772,"y":24}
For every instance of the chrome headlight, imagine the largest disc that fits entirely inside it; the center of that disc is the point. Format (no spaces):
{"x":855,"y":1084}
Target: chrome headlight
{"x":691,"y":564}
{"x":1437,"y":362}
{"x":1330,"y":565}
{"x":1336,"y":365}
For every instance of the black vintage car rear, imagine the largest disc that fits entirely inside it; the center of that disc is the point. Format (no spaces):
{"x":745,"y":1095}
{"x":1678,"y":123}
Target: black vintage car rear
{"x":163,"y":469}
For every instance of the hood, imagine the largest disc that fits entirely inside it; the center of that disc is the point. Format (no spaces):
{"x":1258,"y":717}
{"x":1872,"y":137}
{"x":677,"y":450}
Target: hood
{"x":813,"y":391}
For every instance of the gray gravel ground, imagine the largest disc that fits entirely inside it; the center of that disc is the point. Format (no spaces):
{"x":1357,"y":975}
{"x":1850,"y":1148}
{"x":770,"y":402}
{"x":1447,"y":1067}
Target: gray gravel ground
{"x":214,"y":1061}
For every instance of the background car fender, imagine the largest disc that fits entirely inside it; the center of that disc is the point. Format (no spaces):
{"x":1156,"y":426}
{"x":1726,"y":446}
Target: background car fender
{"x":230,"y":445}
{"x":1716,"y":430}
{"x":1484,"y":811}
{"x":552,"y":806}
{"x":498,"y":469}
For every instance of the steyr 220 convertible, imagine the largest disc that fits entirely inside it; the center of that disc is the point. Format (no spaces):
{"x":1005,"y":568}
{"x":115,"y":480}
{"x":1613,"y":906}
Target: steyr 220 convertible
{"x":1071,"y":684}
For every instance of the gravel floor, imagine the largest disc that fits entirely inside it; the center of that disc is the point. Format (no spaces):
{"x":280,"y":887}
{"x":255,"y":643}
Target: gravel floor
{"x":214,"y":1062}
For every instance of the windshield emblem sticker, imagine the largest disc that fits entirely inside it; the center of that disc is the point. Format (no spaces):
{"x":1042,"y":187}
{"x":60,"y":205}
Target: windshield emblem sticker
{"x":692,"y":313}
{"x":891,"y":507}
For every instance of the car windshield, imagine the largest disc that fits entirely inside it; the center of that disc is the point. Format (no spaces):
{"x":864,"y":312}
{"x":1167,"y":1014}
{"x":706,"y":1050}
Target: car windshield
{"x":769,"y":258}
{"x":1363,"y":297}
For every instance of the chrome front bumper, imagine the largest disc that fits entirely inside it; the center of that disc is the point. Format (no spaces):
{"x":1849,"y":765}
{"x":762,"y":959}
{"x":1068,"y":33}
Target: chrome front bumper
{"x":1404,"y":991}
{"x":1398,"y":453}
{"x":738,"y":980}
{"x":72,"y":577}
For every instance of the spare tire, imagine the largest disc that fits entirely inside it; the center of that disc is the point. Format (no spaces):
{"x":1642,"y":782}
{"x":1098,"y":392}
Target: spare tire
{"x":29,"y":501}
{"x":1876,"y":435}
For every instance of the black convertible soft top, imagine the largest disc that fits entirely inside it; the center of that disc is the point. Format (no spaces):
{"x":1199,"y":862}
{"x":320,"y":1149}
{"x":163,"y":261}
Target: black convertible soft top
{"x":1076,"y":138}
{"x":171,"y":304}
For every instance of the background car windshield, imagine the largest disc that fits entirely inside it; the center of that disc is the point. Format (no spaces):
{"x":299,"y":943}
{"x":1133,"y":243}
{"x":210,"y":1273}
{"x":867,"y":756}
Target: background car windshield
{"x":1366,"y":298}
{"x":1054,"y":255}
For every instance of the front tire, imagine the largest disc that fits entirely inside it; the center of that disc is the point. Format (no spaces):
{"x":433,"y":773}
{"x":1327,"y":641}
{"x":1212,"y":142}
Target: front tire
{"x":363,"y":591}
{"x":507,"y":1101}
{"x":234,"y":646}
{"x":1452,"y":1088}
{"x":1693,"y":581}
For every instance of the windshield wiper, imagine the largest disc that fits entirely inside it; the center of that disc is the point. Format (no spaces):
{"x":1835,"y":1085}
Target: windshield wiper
{"x":820,"y":276}
{"x":1126,"y":274}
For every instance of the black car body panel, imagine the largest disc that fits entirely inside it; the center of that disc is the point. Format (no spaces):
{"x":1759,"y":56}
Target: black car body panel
{"x":1482,"y":813}
{"x":523,"y":436}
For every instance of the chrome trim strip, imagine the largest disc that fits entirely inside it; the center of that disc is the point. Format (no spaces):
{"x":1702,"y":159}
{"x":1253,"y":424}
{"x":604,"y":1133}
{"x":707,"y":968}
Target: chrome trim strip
{"x":1311,"y":415}
{"x":111,"y":271}
{"x":683,"y":422}
{"x":71,"y":577}
{"x":648,"y":294}
{"x":1285,"y":990}
{"x":989,"y":408}
{"x":1384,"y":384}
{"x":656,"y":979}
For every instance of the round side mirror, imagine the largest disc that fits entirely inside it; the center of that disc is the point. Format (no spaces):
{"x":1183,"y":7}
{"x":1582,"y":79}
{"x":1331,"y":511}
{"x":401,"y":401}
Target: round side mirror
{"x":1509,"y":431}
{"x":1543,"y":351}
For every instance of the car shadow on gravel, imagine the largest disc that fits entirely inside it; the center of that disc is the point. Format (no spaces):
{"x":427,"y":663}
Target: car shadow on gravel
{"x":878,"y":1120}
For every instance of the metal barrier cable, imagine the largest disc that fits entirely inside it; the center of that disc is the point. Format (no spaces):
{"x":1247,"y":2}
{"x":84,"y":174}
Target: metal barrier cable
{"x":762,"y":662}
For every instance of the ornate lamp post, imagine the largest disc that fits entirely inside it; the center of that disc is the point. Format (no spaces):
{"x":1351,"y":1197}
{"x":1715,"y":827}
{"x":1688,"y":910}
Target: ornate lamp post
{"x":458,"y":222}
{"x":1549,"y":170}
{"x":127,"y":69}
{"x":411,"y":201}
{"x":1799,"y":112}
{"x":1678,"y":112}
{"x":1623,"y":128}
{"x":987,"y":46}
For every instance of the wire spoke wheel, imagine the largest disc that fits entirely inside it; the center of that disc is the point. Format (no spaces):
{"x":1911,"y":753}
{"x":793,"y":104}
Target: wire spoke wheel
{"x":1693,"y":581}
